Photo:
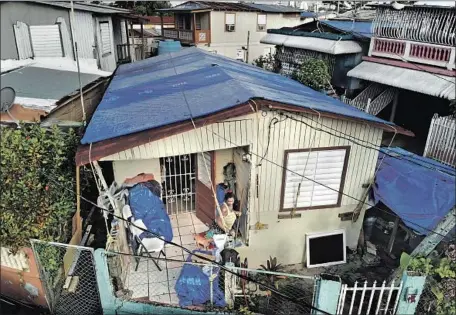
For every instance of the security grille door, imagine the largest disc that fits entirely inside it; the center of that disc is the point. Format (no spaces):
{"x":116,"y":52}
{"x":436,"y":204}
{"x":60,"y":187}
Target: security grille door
{"x":46,"y":40}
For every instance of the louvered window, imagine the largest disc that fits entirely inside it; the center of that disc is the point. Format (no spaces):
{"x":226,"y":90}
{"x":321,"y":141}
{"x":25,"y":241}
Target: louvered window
{"x":105,"y":38}
{"x":313,"y":178}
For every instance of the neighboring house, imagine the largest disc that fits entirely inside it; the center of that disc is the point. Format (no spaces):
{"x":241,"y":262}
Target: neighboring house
{"x":328,"y":40}
{"x":50,"y":88}
{"x":230,"y":29}
{"x":272,"y":128}
{"x":33,"y":29}
{"x":155,"y":23}
{"x":409,"y":76}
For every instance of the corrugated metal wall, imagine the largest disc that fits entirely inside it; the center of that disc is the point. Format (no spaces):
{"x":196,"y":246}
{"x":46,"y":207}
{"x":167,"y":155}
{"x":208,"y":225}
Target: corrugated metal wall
{"x":84,"y":35}
{"x":22,"y":34}
{"x":66,"y":38}
{"x":229,"y":135}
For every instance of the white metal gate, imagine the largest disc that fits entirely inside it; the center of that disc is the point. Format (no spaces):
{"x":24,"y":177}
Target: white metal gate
{"x":367,"y":300}
{"x":441,"y":141}
{"x":46,"y":40}
{"x":178,"y":183}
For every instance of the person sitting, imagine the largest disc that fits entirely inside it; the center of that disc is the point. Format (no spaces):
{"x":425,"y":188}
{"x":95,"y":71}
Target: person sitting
{"x":228,"y":213}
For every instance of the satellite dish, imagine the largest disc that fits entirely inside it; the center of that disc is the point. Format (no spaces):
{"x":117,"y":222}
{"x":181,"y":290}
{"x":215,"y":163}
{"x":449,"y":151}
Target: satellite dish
{"x":7,"y":95}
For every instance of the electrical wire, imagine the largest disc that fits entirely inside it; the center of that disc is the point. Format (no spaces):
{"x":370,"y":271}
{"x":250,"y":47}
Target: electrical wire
{"x":297,"y":301}
{"x":333,"y":189}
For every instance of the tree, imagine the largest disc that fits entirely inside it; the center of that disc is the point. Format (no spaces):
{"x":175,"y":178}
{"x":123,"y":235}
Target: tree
{"x":314,"y":73}
{"x":37,"y":184}
{"x":143,"y":7}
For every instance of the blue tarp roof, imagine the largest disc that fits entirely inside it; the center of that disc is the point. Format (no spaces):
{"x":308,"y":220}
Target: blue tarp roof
{"x":419,"y":190}
{"x":358,"y":29}
{"x":307,"y":14}
{"x":154,"y":92}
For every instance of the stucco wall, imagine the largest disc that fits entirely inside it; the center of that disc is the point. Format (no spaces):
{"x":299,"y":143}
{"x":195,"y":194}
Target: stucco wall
{"x":29,"y":13}
{"x":227,"y":43}
{"x":130,"y":168}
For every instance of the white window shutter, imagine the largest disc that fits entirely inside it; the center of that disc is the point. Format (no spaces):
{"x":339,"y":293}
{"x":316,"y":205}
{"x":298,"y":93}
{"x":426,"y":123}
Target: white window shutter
{"x":261,"y":19}
{"x":105,"y":38}
{"x":322,"y":170}
{"x":230,"y":19}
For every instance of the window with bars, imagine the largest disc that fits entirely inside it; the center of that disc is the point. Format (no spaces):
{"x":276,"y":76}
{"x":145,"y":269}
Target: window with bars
{"x":313,"y":178}
{"x":105,"y":38}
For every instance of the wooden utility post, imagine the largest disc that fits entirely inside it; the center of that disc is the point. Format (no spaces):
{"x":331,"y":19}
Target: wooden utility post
{"x":194,"y":28}
{"x":248,"y":44}
{"x":128,"y":39}
{"x":162,"y":29}
{"x":394,"y":108}
{"x":132,"y":42}
{"x":142,"y":41}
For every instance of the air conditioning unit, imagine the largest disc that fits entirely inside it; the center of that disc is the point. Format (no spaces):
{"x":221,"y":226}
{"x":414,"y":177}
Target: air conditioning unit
{"x":229,"y":28}
{"x":261,"y":27}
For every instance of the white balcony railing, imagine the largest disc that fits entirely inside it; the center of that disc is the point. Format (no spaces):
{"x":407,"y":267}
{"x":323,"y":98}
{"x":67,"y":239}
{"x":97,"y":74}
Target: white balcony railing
{"x":405,"y":50}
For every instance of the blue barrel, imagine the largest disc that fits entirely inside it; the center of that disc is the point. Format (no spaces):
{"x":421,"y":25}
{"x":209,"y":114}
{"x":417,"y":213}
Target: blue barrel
{"x":168,"y":46}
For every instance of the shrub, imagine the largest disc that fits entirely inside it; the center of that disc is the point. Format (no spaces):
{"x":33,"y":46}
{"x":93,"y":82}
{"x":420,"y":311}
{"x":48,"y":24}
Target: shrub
{"x":37,"y":185}
{"x":314,"y":73}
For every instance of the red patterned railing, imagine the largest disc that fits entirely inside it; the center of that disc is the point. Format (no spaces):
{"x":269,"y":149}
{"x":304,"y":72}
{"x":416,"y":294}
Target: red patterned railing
{"x":389,"y":46}
{"x":430,"y":52}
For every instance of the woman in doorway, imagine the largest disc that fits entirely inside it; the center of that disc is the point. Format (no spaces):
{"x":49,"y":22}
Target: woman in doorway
{"x":228,"y":213}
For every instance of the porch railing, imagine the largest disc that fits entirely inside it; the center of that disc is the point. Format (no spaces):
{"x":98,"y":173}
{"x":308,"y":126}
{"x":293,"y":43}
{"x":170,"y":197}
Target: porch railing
{"x":441,"y":141}
{"x":198,"y":36}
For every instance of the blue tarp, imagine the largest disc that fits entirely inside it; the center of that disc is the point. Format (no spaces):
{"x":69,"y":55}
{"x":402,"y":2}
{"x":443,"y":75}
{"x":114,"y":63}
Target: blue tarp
{"x":358,"y":29}
{"x":158,"y":91}
{"x":419,"y":190}
{"x":148,"y":207}
{"x":193,"y":285}
{"x":168,"y":46}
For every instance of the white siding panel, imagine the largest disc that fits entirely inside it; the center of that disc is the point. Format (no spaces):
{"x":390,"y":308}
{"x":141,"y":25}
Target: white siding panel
{"x":66,"y":38}
{"x":105,"y":48}
{"x":18,"y":261}
{"x":83,"y":29}
{"x":23,"y":44}
{"x":213,"y":137}
{"x":46,"y":40}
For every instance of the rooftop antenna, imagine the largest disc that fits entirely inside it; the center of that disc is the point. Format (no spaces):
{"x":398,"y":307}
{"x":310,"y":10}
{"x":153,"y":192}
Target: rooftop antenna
{"x":76,"y":55}
{"x":7,"y":96}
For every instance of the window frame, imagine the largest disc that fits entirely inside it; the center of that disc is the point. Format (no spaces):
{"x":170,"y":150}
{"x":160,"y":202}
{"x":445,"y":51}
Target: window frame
{"x":233,"y":13}
{"x":342,"y":181}
{"x":103,"y":54}
{"x":265,"y":25}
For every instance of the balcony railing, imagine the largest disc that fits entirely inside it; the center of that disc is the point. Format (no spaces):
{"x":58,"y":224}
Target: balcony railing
{"x":404,"y":50}
{"x":188,"y":36}
{"x":441,"y":141}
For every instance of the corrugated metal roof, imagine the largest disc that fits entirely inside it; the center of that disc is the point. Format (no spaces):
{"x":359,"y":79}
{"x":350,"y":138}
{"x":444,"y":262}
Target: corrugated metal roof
{"x":156,"y":92}
{"x":408,"y":79}
{"x":42,"y":83}
{"x":358,"y":29}
{"x":102,"y":9}
{"x":327,"y":46}
{"x":273,"y":8}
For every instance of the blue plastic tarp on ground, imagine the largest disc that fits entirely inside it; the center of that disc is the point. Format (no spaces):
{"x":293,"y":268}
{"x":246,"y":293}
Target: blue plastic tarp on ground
{"x":193,"y":285}
{"x":148,"y":207}
{"x":159,"y":91}
{"x":419,"y":190}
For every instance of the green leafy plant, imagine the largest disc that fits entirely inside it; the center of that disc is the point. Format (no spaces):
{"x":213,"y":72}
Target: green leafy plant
{"x":421,"y":265}
{"x":314,"y":73}
{"x":268,"y":62}
{"x":271,"y":266}
{"x":37,"y":181}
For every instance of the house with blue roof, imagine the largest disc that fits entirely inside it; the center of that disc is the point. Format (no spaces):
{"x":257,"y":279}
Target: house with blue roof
{"x":340,"y":43}
{"x":296,"y":160}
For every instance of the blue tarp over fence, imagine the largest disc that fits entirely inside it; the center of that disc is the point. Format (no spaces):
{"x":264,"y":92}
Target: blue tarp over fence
{"x":419,"y":190}
{"x":159,"y":91}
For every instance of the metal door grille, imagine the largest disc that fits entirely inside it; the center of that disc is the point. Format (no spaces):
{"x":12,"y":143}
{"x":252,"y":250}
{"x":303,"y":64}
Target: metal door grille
{"x":178,"y":183}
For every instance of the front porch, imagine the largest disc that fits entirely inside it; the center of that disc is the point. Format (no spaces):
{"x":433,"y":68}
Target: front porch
{"x":190,"y":28}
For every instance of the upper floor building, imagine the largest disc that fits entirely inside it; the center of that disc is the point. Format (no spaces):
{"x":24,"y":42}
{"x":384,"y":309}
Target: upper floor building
{"x":230,"y":29}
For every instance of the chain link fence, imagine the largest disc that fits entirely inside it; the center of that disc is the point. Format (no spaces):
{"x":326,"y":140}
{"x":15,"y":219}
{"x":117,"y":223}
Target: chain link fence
{"x":198,"y":285}
{"x":68,"y":275}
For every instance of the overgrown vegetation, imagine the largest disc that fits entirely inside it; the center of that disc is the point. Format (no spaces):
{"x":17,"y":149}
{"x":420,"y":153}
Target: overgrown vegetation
{"x":441,"y":274}
{"x":314,"y":73}
{"x":37,"y":184}
{"x":143,"y":7}
{"x":268,"y":62}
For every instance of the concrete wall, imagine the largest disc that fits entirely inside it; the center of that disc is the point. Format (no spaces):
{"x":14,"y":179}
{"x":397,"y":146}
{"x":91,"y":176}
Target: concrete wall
{"x":284,"y":238}
{"x":29,"y":13}
{"x":227,"y":43}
